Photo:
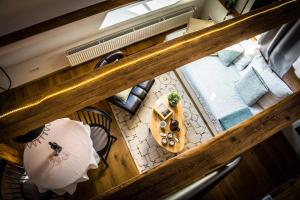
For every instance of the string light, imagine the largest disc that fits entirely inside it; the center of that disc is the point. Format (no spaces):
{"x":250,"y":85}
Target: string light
{"x":105,"y":73}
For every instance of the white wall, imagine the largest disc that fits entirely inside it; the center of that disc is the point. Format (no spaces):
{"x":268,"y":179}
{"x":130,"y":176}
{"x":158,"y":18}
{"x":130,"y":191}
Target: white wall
{"x":18,"y":14}
{"x":44,"y":53}
{"x":215,"y":10}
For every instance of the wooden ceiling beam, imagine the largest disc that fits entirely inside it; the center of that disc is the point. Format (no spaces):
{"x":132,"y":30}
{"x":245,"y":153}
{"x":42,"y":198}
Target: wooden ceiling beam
{"x":197,"y":162}
{"x":19,"y":117}
{"x":62,"y":20}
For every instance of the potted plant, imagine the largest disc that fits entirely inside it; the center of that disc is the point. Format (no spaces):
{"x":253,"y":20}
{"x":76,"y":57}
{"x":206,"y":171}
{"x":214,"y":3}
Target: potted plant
{"x":173,"y":99}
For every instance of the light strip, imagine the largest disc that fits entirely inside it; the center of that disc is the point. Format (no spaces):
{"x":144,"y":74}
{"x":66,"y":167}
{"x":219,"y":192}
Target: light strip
{"x":37,"y":102}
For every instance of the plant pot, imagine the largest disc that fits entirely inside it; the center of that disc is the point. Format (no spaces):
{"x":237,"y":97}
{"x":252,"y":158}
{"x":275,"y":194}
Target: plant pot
{"x":173,"y":104}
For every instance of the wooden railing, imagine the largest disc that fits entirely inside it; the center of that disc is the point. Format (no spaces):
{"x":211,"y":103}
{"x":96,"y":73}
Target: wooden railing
{"x":18,"y":117}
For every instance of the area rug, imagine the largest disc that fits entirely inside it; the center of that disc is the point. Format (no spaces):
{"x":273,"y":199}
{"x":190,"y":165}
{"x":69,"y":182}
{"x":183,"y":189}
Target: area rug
{"x":135,"y":129}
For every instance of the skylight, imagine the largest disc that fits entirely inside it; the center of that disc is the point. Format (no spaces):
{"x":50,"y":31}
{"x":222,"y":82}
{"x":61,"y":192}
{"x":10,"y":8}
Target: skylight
{"x":134,"y":10}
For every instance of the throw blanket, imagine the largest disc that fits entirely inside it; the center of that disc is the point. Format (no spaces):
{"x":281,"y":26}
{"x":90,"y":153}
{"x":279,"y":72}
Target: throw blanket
{"x":235,"y":118}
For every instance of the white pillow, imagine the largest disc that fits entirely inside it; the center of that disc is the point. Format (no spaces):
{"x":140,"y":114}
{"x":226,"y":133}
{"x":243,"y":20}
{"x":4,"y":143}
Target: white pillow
{"x":123,"y":96}
{"x":198,"y":24}
{"x":229,"y":54}
{"x":250,"y":51}
{"x":275,"y":85}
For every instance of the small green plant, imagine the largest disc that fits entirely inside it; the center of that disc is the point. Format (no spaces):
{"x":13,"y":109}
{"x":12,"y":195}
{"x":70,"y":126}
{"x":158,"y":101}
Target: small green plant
{"x":173,"y":99}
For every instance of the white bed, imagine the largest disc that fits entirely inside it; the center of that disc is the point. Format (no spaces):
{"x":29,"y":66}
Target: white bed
{"x":212,"y":84}
{"x":215,"y":82}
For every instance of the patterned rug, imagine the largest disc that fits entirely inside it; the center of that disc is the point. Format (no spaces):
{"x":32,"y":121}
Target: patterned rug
{"x":135,"y":129}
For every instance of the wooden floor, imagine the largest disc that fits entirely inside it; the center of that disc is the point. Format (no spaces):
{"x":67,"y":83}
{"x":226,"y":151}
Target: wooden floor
{"x":121,"y":165}
{"x":262,"y":169}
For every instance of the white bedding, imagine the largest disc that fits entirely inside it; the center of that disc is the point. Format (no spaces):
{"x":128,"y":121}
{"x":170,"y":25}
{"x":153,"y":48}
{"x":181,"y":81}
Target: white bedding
{"x":213,"y":83}
{"x":216,"y":83}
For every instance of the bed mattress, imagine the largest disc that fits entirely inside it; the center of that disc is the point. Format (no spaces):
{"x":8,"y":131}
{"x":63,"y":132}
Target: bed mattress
{"x":213,"y":84}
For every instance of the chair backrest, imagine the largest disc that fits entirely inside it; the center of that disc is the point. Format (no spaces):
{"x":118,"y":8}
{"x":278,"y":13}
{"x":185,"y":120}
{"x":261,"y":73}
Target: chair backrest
{"x":95,"y":117}
{"x":16,"y":185}
{"x":109,"y":58}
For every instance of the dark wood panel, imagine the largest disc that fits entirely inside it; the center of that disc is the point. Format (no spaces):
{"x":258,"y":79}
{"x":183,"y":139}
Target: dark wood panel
{"x":19,"y":117}
{"x":62,"y":20}
{"x":195,"y":163}
{"x":262,"y":169}
{"x":290,"y":190}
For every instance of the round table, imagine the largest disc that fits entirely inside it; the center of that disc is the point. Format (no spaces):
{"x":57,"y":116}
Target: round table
{"x":60,"y":173}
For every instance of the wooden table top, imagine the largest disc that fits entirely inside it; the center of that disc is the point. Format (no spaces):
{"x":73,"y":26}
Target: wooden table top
{"x":156,"y":130}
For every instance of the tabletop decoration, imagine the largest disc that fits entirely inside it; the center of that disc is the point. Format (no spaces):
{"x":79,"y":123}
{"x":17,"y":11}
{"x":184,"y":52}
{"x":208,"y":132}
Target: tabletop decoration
{"x":173,"y":99}
{"x":58,"y":156}
{"x":174,"y":125}
{"x":57,"y":149}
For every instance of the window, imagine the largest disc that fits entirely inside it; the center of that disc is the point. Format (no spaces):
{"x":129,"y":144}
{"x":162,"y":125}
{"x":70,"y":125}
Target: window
{"x":131,"y":11}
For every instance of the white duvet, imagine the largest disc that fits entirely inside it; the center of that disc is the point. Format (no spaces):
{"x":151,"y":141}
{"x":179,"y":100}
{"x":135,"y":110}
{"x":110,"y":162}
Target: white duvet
{"x":216,"y":84}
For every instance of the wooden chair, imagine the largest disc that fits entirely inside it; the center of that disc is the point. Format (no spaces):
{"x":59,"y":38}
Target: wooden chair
{"x":100,"y":122}
{"x":16,"y":185}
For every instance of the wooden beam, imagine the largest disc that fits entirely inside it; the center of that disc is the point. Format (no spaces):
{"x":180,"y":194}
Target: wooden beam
{"x":62,"y":20}
{"x":19,"y":117}
{"x":195,"y":163}
{"x":10,"y":154}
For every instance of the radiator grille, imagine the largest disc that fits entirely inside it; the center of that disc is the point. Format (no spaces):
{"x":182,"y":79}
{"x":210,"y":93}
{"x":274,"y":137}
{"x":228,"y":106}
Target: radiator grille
{"x":127,"y":37}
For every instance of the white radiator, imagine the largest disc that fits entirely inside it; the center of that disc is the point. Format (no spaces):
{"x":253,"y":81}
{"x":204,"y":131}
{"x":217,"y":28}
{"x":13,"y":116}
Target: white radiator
{"x":129,"y":36}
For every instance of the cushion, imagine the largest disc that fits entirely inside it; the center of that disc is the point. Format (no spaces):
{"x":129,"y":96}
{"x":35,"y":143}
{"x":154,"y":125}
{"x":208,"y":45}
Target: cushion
{"x":132,"y":104}
{"x":243,"y":61}
{"x":235,"y":118}
{"x":139,"y":92}
{"x":276,"y":86}
{"x":198,"y":24}
{"x":250,"y":51}
{"x":250,"y":87}
{"x":99,"y":138}
{"x":228,"y":55}
{"x":123,"y":96}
